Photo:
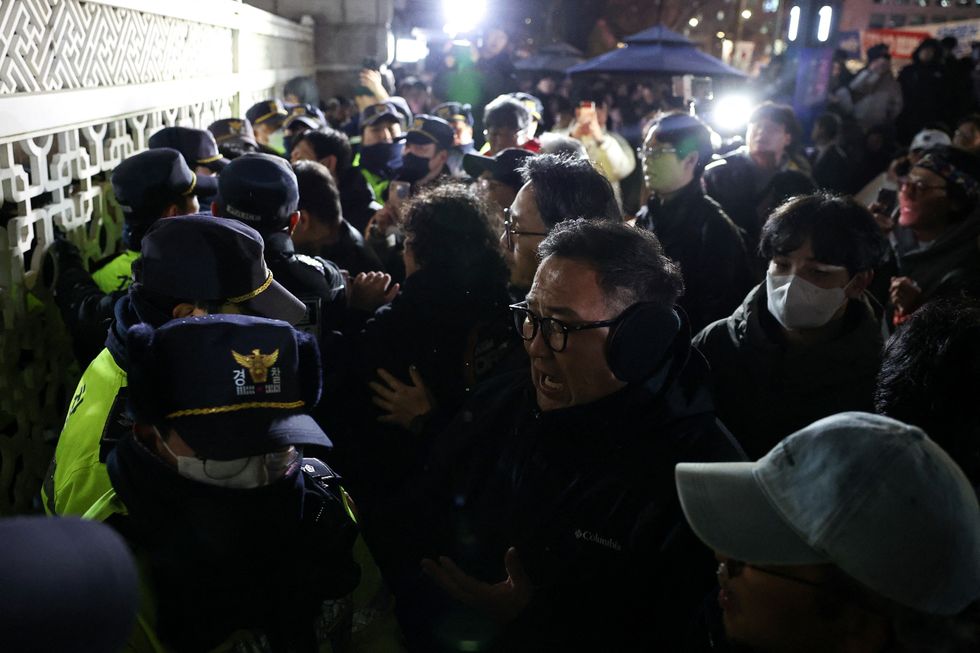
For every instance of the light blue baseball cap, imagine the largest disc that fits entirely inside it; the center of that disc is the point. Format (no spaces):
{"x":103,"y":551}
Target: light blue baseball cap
{"x":869,"y":494}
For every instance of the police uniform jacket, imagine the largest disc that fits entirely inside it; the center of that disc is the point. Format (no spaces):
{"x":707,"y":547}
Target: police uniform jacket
{"x":766,"y":388}
{"x":96,"y":419}
{"x":316,"y":282}
{"x":586,"y":495}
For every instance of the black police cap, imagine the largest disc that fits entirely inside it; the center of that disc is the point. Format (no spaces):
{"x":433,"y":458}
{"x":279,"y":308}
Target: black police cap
{"x":202,"y":257}
{"x":144,"y":183}
{"x":270,"y":111}
{"x":260,"y":190}
{"x":233,"y":130}
{"x":231,"y":385}
{"x":429,"y":129}
{"x":450,"y":111}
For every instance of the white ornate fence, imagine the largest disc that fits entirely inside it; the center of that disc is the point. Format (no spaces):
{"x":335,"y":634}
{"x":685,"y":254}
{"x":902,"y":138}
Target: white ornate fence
{"x":83,"y":84}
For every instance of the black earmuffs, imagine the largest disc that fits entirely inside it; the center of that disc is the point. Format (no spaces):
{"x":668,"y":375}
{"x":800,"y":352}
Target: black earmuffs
{"x":639,"y":344}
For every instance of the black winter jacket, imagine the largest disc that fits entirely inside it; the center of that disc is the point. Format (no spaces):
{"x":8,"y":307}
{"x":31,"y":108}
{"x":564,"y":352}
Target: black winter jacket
{"x":587,"y":496}
{"x":765,"y":388}
{"x":696,"y":233}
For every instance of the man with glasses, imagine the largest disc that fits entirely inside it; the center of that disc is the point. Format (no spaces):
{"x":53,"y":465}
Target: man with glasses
{"x":935,"y":240}
{"x":562,"y":476}
{"x":555,"y":188}
{"x":505,"y":122}
{"x":856,"y":533}
{"x":693,"y":229}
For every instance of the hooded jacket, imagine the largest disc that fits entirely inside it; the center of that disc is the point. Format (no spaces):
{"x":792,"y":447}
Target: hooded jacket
{"x":765,"y":388}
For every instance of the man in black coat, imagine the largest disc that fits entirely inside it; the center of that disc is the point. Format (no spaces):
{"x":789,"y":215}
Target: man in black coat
{"x":693,"y":229}
{"x":550,"y":513}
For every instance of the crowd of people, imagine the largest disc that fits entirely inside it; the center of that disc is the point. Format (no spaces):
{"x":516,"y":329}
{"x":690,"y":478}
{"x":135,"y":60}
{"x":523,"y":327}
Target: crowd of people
{"x":361,"y":380}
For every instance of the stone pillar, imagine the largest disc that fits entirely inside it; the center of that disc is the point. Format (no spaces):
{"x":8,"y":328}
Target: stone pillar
{"x":345,"y":33}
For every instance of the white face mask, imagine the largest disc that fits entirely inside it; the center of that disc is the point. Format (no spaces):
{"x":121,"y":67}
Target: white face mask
{"x":241,"y":473}
{"x":798,"y":304}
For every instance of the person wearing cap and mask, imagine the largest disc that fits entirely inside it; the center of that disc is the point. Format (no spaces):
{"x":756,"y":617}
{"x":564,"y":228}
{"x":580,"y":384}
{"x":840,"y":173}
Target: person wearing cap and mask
{"x":427,"y":147}
{"x":261,"y":191}
{"x":148,"y":186}
{"x":460,"y":118}
{"x":807,"y":342}
{"x":693,"y":229}
{"x":855,"y":533}
{"x":200,"y":152}
{"x":935,"y":238}
{"x":499,"y":176}
{"x":267,"y":119}
{"x":234,"y":137}
{"x":176,"y":276}
{"x":382,"y":146}
{"x":301,"y":119}
{"x":216,"y":479}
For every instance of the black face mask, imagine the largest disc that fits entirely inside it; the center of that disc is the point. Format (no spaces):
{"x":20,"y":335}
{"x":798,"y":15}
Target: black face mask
{"x":382,"y":158}
{"x":414,"y":168}
{"x":133,"y":232}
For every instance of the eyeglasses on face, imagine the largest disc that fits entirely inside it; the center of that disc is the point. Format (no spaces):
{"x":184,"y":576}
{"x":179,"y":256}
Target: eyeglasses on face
{"x":914,"y":187}
{"x":555,"y":332}
{"x":731,"y":568}
{"x":510,"y":232}
{"x":654,"y":152}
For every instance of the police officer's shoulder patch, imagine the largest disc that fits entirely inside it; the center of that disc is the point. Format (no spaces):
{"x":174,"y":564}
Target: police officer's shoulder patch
{"x":311,"y":261}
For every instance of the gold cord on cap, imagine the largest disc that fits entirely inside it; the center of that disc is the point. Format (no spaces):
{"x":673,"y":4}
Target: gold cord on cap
{"x":257,"y":291}
{"x":193,"y":184}
{"x":284,"y":405}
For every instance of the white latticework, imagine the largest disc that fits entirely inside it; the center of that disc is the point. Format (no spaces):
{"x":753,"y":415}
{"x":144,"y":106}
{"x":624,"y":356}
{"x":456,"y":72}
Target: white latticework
{"x":68,"y":64}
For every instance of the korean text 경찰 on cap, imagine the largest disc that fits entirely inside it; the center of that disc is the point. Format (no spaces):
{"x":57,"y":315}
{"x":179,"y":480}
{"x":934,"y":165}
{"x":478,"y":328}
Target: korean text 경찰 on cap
{"x":232,"y":386}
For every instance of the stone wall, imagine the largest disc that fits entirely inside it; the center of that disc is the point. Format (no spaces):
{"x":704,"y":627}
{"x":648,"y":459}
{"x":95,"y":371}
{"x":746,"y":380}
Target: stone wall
{"x":83,"y":84}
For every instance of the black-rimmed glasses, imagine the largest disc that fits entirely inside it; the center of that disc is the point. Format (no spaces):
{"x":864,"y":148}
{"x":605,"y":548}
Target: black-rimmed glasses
{"x":555,"y":332}
{"x":510,"y":232}
{"x":731,"y":568}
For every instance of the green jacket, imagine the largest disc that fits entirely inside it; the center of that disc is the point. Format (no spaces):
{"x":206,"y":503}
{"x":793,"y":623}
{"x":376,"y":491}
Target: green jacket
{"x":117,"y":273}
{"x":377,"y":183}
{"x":77,"y":477}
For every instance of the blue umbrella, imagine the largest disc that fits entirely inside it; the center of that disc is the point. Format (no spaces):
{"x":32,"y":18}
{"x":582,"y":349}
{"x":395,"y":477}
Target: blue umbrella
{"x":660,"y":51}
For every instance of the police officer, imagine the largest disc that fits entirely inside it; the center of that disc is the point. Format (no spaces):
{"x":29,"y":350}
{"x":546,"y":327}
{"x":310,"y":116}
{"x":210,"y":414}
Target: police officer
{"x":190,"y":265}
{"x":460,"y":118}
{"x":234,"y":137}
{"x":382,"y":128}
{"x":242,"y":541}
{"x":267,"y":118}
{"x":426,"y":152}
{"x":301,"y":119}
{"x":261,"y":191}
{"x":200,"y":152}
{"x":148,"y":186}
